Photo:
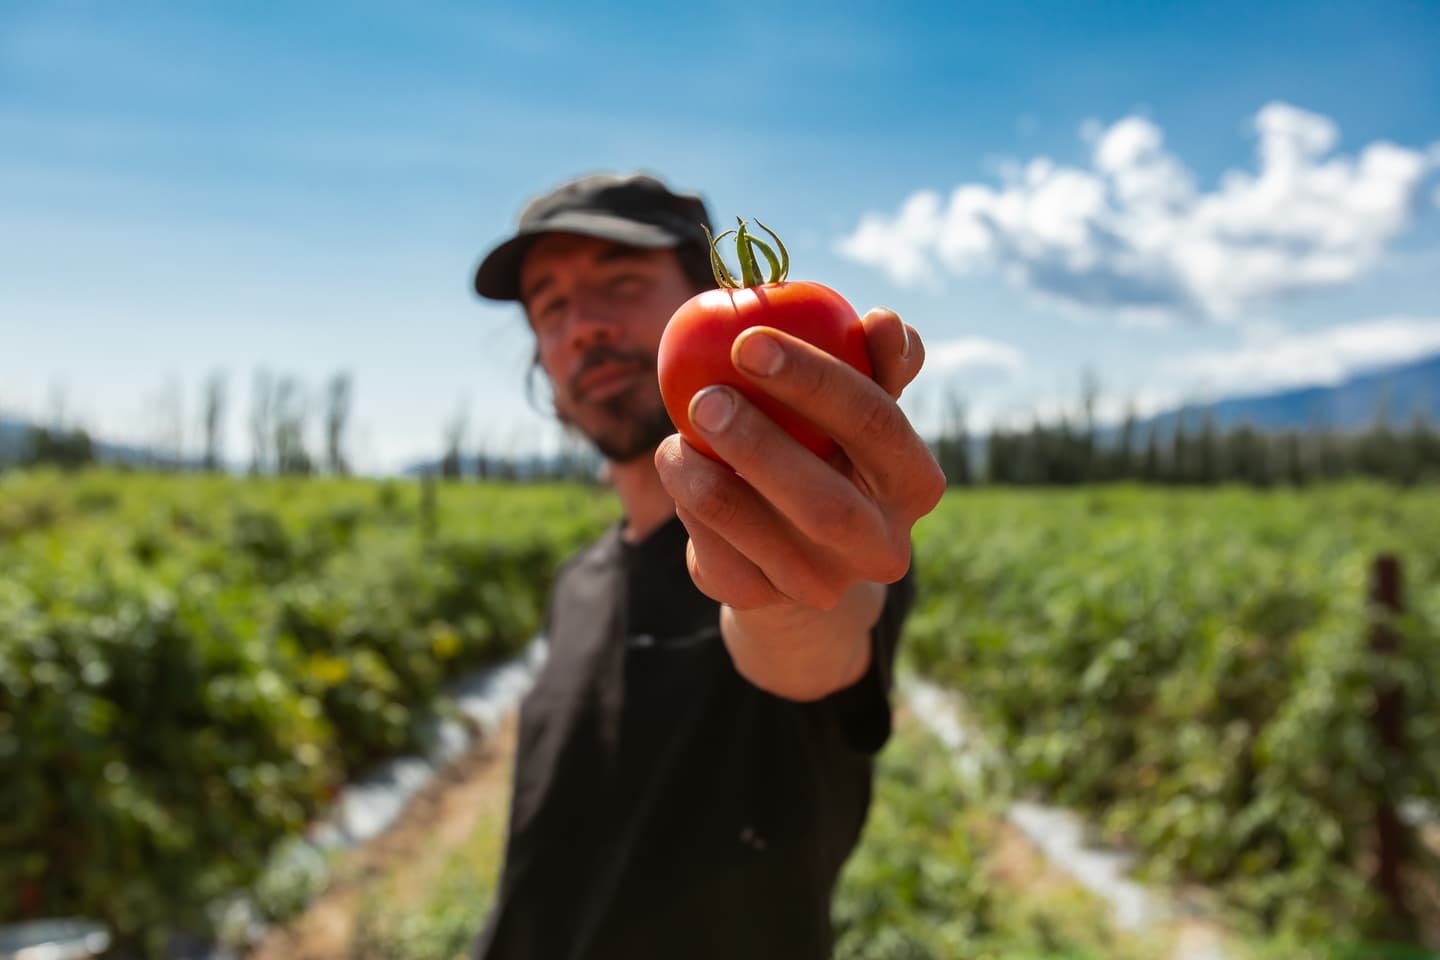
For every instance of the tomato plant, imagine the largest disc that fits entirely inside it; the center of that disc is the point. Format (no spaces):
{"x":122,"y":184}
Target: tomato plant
{"x":695,"y":349}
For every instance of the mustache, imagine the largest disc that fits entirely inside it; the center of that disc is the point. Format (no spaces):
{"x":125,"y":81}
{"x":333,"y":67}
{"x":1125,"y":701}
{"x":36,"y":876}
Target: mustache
{"x":603,"y":354}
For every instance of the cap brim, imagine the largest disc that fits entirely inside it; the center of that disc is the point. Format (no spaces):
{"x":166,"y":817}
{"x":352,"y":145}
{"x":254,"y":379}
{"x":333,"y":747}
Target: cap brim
{"x":498,"y":277}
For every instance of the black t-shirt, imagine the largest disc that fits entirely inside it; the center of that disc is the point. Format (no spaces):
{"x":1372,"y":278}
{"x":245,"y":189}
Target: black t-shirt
{"x":663,"y":806}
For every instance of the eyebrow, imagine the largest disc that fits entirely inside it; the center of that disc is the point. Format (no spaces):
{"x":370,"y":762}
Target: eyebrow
{"x":613,"y":253}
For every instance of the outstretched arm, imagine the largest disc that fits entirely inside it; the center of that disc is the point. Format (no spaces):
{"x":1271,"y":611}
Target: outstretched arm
{"x":797,"y":549}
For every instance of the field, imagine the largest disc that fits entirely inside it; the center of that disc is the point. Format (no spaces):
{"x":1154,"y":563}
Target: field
{"x":1196,"y":670}
{"x":190,"y":666}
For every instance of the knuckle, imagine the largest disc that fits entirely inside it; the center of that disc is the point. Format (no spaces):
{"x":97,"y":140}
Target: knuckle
{"x":715,"y":506}
{"x":836,"y":521}
{"x":668,"y":456}
{"x":930,"y":484}
{"x":891,"y":565}
{"x":822,"y":600}
{"x":752,"y":596}
{"x":730,"y":586}
{"x":812,"y":380}
{"x":697,"y":574}
{"x":918,"y":485}
{"x":876,"y":422}
{"x":820,"y":594}
{"x":747,"y":441}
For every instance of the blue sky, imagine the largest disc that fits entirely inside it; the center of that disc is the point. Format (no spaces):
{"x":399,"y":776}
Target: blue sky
{"x":1187,"y":200}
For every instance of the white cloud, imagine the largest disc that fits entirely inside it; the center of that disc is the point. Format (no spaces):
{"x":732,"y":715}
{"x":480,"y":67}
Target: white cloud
{"x":969,"y":353}
{"x":1279,"y":360}
{"x":1000,"y":389}
{"x":971,"y":371}
{"x":874,"y":240}
{"x":1134,"y":234}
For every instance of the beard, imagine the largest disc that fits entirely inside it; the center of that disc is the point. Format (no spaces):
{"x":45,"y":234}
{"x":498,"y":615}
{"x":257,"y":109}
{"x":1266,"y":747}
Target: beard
{"x":628,"y":425}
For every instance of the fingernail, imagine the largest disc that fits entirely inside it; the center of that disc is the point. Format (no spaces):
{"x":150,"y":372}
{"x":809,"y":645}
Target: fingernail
{"x":712,"y":409}
{"x":905,"y":343}
{"x":759,"y":354}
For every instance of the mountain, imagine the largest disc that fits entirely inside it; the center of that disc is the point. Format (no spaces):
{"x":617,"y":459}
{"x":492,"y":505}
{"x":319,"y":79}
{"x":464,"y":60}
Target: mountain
{"x":12,"y":438}
{"x":14,"y":444}
{"x":520,"y":468}
{"x":1399,"y":394}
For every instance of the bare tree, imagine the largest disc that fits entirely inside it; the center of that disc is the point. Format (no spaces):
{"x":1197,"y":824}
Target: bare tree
{"x":262,"y":413}
{"x":57,"y":406}
{"x":338,"y":397}
{"x":953,"y":447}
{"x":1123,"y":461}
{"x":482,"y":457}
{"x":1088,"y":441}
{"x":170,"y":415}
{"x":213,"y":419}
{"x":451,"y":465}
{"x":289,"y":425}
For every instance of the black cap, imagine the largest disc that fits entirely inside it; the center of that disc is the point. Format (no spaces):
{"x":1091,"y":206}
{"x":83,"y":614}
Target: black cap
{"x":635,"y":209}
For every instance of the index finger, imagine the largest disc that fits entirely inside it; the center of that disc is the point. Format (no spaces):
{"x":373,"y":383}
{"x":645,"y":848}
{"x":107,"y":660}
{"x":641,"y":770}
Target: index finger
{"x":852,"y":408}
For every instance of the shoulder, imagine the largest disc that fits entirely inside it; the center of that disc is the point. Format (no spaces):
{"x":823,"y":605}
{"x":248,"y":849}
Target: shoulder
{"x":602,"y":552}
{"x":597,"y":560}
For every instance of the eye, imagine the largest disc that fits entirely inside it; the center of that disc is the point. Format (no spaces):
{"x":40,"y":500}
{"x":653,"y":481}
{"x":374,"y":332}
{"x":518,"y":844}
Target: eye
{"x":545,"y":316}
{"x":626,"y":285}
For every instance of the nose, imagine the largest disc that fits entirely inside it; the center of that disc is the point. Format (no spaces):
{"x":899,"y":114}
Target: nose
{"x":590,"y":322}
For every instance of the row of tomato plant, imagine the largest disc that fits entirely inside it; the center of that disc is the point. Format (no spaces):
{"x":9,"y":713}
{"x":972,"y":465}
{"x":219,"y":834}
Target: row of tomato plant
{"x":191,"y":667}
{"x":1193,"y":670}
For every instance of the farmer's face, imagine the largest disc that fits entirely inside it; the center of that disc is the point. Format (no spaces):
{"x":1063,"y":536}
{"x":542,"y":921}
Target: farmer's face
{"x":597,"y":309}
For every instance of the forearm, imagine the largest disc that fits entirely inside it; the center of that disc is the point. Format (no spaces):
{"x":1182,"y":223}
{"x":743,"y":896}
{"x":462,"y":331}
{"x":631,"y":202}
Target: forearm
{"x":801,"y":653}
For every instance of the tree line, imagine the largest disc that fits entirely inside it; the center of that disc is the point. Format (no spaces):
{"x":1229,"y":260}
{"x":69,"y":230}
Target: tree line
{"x":294,"y":429}
{"x":278,"y":423}
{"x":1188,"y":449}
{"x":1180,"y":451}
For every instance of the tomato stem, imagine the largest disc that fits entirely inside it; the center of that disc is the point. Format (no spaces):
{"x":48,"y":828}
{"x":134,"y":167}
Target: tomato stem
{"x":757,"y":244}
{"x":717,"y":264}
{"x":783,"y":271}
{"x":745,"y":249}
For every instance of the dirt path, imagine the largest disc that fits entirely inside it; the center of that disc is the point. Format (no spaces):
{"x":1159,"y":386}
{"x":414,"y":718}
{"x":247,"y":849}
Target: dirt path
{"x":438,"y":819}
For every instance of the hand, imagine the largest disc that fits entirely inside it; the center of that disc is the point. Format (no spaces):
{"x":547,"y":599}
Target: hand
{"x":784,"y":529}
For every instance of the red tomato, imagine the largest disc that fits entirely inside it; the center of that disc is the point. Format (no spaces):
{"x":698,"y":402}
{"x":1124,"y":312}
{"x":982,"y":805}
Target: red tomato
{"x":695,"y":349}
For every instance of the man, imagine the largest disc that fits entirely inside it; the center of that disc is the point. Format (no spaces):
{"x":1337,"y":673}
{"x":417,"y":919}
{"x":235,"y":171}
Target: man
{"x":694,"y":760}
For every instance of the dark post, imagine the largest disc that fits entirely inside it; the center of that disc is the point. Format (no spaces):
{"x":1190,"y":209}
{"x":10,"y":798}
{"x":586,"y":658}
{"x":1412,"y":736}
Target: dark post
{"x":1390,"y":833}
{"x":427,"y":503}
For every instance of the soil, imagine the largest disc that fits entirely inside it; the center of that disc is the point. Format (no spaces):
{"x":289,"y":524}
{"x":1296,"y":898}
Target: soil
{"x":439,"y":818}
{"x":477,"y":785}
{"x":1015,"y":862}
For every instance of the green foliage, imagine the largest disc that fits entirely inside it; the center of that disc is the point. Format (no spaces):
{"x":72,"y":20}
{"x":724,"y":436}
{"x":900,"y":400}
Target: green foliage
{"x":295,"y":874}
{"x":442,"y":926}
{"x":920,"y":886}
{"x":1192,"y":450}
{"x":190,"y":667}
{"x":1194,"y":670}
{"x":433,"y":907}
{"x":69,"y":449}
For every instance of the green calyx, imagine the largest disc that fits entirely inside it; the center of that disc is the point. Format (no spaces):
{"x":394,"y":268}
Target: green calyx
{"x":746,"y":248}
